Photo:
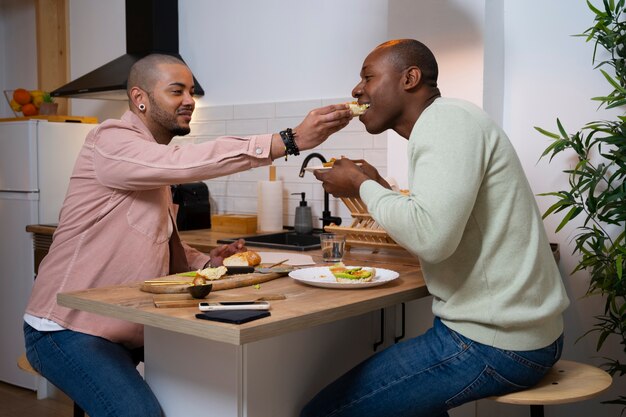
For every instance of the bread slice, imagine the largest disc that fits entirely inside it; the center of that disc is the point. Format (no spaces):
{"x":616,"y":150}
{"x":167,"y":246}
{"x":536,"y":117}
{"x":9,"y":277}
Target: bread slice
{"x":357,"y":109}
{"x":212,"y":274}
{"x":248,"y":258}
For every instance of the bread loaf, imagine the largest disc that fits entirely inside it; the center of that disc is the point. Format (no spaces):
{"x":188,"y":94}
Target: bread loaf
{"x":248,"y":258}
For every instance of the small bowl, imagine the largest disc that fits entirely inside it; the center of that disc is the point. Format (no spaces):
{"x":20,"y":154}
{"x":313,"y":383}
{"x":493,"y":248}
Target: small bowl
{"x":199,"y":291}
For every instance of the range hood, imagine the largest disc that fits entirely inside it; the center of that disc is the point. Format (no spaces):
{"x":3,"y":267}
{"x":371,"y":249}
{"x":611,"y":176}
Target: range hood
{"x":151,"y":27}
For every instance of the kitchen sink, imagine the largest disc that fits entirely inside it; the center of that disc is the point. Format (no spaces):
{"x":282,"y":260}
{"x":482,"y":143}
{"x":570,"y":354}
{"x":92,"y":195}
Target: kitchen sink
{"x":282,"y":240}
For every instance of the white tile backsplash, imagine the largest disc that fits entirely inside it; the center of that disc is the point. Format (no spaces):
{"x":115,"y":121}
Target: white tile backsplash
{"x":212,"y":128}
{"x":237,"y":193}
{"x":276,"y":125}
{"x":213,"y":113}
{"x":255,"y":111}
{"x":296,"y":108}
{"x":246,"y":127}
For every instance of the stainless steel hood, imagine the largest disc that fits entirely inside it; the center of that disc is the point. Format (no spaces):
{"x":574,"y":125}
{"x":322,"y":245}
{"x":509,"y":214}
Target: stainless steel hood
{"x":151,"y":27}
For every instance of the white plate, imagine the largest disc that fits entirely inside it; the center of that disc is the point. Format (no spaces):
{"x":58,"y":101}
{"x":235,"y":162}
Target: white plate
{"x":322,"y":277}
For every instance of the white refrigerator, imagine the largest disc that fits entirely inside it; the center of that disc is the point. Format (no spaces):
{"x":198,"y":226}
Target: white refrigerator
{"x":36,"y":160}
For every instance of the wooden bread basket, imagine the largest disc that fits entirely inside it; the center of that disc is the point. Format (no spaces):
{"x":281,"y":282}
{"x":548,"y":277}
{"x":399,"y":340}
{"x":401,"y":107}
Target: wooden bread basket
{"x":364,"y":231}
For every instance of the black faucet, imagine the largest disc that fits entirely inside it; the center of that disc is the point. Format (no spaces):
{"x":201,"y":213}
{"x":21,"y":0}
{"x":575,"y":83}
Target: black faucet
{"x":326,"y":218}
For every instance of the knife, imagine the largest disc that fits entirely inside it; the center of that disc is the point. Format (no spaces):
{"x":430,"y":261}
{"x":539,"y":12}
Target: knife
{"x":235,"y":270}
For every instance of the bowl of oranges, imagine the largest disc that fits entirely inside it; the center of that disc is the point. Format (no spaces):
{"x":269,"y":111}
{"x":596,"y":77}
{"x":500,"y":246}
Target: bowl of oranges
{"x":30,"y":102}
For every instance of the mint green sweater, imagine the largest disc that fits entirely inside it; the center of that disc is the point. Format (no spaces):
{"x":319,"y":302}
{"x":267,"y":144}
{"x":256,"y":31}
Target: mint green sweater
{"x":472,"y":220}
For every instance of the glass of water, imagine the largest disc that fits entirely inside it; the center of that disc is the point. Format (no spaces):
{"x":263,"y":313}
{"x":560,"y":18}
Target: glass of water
{"x":333,"y":246}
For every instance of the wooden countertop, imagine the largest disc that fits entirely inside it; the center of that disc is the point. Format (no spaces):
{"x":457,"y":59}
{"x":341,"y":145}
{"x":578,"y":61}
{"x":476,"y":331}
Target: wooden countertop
{"x":305,"y":306}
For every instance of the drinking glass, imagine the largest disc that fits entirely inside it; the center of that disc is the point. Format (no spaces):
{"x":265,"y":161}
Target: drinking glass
{"x":333,"y":246}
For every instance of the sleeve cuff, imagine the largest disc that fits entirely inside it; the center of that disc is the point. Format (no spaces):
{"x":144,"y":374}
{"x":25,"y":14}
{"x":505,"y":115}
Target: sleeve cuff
{"x":260,"y":147}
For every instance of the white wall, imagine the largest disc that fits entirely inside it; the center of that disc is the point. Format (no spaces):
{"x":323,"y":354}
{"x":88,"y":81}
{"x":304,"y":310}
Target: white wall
{"x":279,"y":50}
{"x":548,"y":73}
{"x":97,"y":36}
{"x":18,"y":53}
{"x":246,"y":51}
{"x":454,"y":31}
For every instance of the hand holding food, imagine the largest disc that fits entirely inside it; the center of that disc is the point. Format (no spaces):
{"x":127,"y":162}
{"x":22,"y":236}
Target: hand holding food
{"x":357,"y":109}
{"x":343,"y":180}
{"x":320,"y":123}
{"x":218,"y":254}
{"x":373,"y":174}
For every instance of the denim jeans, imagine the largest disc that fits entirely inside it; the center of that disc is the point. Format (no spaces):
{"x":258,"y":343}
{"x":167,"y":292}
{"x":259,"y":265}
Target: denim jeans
{"x":430,"y":374}
{"x":99,"y":375}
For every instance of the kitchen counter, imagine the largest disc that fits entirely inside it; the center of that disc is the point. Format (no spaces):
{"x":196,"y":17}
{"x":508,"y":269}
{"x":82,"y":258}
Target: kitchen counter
{"x":267,"y":367}
{"x":305,"y":306}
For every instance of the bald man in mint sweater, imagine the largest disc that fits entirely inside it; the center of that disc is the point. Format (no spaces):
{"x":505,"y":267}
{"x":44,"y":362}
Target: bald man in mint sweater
{"x":472,"y":220}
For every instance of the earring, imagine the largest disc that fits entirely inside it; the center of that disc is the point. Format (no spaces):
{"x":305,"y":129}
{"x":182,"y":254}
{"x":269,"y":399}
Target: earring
{"x":142,"y":107}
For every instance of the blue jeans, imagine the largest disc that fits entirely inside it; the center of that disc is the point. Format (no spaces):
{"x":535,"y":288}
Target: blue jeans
{"x":99,"y":375}
{"x":430,"y":374}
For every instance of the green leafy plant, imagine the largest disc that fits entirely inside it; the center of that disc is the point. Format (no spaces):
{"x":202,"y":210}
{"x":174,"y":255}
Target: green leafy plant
{"x":597,"y":190}
{"x":47,"y":98}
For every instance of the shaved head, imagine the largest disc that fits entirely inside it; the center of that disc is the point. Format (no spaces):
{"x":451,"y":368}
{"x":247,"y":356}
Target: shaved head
{"x":404,"y":53}
{"x":145,"y":72}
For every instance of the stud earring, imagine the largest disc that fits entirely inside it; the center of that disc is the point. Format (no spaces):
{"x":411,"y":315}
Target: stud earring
{"x":142,"y":107}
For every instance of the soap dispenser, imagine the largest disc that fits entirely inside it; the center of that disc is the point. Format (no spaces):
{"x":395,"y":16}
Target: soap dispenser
{"x":303,"y":222}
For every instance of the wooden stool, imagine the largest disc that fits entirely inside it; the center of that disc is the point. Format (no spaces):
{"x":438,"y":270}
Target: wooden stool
{"x":566,"y":382}
{"x":24,"y":365}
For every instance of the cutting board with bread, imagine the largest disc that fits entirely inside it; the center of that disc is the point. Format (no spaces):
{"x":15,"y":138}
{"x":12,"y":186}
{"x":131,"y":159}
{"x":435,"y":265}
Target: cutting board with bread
{"x":217,"y":277}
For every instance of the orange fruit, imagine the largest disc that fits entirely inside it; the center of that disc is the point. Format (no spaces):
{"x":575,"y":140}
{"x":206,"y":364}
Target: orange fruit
{"x":29,"y":109}
{"x":21,"y":96}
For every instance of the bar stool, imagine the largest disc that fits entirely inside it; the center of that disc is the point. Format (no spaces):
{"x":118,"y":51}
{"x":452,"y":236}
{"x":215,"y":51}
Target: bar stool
{"x":566,"y":382}
{"x":24,"y":365}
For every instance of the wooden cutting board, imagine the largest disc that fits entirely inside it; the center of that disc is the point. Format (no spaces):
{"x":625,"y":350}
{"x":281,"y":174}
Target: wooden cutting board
{"x":226,"y":283}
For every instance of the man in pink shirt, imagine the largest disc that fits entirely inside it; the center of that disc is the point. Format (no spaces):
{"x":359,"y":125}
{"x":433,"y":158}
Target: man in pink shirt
{"x":117,"y":226}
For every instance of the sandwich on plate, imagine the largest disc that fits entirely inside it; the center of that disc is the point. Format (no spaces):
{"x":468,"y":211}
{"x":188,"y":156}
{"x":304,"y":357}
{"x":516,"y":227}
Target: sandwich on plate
{"x":351,"y":274}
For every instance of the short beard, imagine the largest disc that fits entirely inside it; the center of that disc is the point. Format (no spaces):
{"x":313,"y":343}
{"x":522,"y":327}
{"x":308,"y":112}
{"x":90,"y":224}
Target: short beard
{"x":180,"y":131}
{"x":166,"y":120}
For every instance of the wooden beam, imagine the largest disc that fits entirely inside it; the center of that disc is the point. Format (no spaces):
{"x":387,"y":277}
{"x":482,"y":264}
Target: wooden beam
{"x":52,"y":47}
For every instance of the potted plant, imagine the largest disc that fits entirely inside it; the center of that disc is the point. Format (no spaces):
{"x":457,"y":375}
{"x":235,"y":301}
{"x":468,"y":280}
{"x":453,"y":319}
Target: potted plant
{"x":597,"y":189}
{"x":48,"y":106}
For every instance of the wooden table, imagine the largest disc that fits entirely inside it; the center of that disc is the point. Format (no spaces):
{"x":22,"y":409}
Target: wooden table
{"x":268,"y":367}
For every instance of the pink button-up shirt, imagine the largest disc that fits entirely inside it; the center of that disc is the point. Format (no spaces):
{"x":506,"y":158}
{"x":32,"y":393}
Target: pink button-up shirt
{"x":113,"y":226}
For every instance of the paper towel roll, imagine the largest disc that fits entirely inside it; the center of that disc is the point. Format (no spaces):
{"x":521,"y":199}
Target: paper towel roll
{"x":270,"y":206}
